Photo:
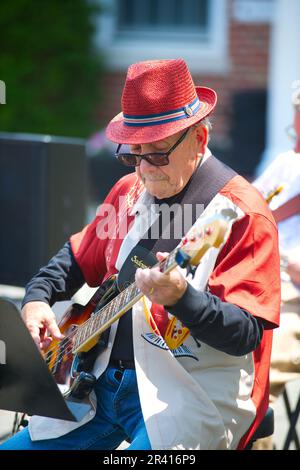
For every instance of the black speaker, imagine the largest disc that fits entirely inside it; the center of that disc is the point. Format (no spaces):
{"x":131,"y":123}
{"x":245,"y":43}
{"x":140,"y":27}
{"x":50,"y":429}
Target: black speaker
{"x":248,"y":130}
{"x":42,"y":200}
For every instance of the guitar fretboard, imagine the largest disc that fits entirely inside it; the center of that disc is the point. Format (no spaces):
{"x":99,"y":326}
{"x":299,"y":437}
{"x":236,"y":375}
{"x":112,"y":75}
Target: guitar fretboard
{"x":104,"y":317}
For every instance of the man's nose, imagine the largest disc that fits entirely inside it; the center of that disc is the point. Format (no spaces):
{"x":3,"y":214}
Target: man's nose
{"x":146,"y":166}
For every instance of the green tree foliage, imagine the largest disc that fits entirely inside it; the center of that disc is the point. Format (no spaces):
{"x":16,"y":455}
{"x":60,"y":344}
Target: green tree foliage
{"x":50,"y":67}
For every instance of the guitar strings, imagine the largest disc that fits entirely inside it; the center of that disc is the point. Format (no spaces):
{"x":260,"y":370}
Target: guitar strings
{"x":97,"y":314}
{"x":67,"y":347}
{"x":122,"y":210}
{"x":67,"y":340}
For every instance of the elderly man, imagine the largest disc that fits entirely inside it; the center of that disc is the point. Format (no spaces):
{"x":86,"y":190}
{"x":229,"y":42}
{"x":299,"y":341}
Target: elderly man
{"x":186,"y":367}
{"x":284,"y":173}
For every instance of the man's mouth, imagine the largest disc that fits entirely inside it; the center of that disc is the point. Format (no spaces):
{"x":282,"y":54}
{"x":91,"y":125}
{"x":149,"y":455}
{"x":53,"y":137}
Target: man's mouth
{"x":154,"y":179}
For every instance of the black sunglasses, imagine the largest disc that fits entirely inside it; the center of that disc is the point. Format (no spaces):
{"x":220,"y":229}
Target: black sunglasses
{"x":154,"y":158}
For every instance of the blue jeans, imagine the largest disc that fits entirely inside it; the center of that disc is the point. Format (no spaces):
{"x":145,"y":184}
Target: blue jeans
{"x":118,"y":417}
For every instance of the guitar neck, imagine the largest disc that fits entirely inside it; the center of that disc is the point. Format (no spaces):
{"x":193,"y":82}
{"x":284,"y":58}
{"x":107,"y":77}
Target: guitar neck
{"x":107,"y":315}
{"x":200,"y":238}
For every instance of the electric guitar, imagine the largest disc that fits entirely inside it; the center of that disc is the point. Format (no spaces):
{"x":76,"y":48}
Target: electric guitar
{"x":70,"y":360}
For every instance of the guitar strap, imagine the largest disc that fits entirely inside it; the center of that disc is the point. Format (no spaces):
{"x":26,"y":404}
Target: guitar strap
{"x":203,"y":186}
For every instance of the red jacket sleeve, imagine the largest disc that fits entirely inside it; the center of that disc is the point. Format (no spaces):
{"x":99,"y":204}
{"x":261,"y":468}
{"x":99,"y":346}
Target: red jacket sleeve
{"x":247,"y":271}
{"x":95,"y":248}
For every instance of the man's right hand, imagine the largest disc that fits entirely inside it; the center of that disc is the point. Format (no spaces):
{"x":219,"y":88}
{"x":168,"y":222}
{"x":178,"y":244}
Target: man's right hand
{"x":41,"y":323}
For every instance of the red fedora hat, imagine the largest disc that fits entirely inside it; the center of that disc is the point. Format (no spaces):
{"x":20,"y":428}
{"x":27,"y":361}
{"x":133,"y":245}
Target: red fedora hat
{"x":158,"y":100}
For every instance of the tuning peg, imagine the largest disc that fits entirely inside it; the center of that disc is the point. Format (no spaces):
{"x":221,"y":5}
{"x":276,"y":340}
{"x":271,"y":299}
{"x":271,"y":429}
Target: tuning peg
{"x":184,"y":241}
{"x":182,"y":259}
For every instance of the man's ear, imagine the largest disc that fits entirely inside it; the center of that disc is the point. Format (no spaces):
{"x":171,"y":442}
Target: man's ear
{"x":202,"y":138}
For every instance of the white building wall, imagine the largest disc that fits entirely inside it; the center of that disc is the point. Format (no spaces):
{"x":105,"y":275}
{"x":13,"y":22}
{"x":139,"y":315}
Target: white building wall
{"x":284,"y":77}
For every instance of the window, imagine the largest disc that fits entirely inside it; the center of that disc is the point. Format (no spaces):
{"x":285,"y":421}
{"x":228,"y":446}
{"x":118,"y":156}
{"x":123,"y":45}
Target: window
{"x":133,"y":30}
{"x":154,"y":16}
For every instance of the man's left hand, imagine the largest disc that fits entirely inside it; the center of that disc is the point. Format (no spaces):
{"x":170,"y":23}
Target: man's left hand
{"x":160,"y":288}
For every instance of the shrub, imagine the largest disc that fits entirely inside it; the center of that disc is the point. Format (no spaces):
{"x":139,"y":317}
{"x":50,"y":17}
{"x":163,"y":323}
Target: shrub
{"x":49,"y":65}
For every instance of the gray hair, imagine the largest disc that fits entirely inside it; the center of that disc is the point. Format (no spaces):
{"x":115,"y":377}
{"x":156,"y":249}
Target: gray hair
{"x":206,"y":122}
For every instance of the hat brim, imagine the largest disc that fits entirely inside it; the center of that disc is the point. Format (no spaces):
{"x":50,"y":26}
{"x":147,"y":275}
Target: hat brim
{"x":121,"y":133}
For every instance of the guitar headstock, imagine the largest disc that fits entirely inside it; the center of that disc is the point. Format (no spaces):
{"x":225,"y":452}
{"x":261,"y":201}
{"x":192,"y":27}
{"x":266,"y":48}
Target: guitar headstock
{"x":202,"y":237}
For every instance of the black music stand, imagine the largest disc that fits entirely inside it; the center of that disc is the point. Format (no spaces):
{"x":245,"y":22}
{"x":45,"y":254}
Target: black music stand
{"x":26,"y":384}
{"x":293,"y":417}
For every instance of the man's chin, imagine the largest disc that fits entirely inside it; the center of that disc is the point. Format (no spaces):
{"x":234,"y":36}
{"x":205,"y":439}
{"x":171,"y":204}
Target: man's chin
{"x":159,"y":193}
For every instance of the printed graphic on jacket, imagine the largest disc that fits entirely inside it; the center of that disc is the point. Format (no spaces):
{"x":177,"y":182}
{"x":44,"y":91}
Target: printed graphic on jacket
{"x":168,"y":332}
